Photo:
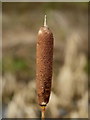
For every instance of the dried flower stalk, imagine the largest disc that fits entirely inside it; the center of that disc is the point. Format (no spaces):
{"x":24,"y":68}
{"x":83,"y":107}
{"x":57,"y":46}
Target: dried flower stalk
{"x":44,"y":64}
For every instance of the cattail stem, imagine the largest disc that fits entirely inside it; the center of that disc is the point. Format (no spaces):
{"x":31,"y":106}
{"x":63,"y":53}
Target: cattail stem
{"x":43,"y":112}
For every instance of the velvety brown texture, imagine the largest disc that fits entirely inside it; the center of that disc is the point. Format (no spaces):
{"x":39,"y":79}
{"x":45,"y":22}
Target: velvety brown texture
{"x":44,"y":61}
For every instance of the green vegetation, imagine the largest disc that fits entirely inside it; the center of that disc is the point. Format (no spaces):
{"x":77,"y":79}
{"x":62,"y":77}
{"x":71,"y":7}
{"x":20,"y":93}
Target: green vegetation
{"x":87,"y":67}
{"x":11,"y":64}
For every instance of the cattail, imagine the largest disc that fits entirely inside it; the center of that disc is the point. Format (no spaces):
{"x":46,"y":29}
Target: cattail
{"x":44,"y":64}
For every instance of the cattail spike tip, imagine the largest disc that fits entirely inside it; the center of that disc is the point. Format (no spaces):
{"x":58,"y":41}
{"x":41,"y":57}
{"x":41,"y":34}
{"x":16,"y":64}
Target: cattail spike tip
{"x":45,"y":21}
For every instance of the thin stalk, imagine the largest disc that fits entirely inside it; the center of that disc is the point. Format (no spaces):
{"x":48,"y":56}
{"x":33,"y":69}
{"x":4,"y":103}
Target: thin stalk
{"x":45,"y":21}
{"x":43,"y":112}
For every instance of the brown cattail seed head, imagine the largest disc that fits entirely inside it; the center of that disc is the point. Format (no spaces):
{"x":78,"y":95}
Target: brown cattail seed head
{"x":44,"y":64}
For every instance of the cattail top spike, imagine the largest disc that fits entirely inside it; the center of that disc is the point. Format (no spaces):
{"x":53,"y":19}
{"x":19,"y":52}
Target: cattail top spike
{"x":45,"y":21}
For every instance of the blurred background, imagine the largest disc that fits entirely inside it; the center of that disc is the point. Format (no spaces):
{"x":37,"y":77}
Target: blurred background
{"x":20,"y":25}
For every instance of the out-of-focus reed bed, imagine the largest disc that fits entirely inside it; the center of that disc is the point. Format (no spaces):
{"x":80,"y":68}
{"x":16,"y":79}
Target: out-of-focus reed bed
{"x":69,"y":96}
